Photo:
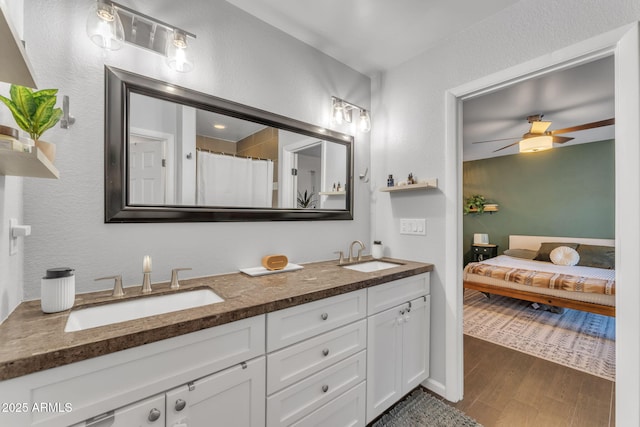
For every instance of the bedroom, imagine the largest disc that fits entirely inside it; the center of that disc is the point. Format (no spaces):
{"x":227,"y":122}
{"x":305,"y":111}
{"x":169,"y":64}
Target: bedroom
{"x":558,"y":192}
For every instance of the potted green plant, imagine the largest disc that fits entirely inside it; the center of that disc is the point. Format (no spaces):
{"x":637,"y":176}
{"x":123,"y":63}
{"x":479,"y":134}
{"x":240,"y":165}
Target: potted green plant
{"x":474,"y":204}
{"x":306,"y":200}
{"x":34,"y":112}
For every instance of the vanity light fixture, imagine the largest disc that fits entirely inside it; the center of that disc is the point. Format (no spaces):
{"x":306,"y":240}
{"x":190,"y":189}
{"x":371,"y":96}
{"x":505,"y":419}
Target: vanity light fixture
{"x":111,"y":24}
{"x":342,"y":111}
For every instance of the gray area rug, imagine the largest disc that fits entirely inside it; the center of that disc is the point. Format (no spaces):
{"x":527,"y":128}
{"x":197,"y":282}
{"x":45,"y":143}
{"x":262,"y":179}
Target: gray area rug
{"x":577,"y":339}
{"x":423,"y":409}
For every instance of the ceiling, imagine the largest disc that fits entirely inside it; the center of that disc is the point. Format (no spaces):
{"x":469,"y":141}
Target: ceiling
{"x":372,"y":36}
{"x":570,"y":97}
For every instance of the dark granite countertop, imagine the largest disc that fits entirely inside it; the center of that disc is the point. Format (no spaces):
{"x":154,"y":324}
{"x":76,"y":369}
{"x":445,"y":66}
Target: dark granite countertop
{"x":33,"y":341}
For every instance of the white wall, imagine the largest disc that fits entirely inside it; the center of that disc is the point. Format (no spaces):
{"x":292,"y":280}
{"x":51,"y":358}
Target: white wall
{"x":409,"y":123}
{"x":237,"y":58}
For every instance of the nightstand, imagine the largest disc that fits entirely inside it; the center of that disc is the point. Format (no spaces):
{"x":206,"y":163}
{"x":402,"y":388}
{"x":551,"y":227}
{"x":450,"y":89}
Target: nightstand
{"x":482,"y":252}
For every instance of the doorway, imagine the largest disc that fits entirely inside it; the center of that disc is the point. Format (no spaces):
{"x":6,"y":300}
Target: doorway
{"x":623,"y":43}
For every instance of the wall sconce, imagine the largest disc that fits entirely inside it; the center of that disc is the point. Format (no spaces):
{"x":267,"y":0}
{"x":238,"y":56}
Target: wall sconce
{"x":342,"y":111}
{"x":110,"y":25}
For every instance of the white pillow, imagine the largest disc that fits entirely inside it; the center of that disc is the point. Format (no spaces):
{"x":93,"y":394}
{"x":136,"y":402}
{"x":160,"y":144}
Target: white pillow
{"x":564,"y":255}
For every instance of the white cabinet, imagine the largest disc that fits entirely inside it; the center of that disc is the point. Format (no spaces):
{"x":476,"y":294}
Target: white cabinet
{"x":231,"y":398}
{"x":397,"y":344}
{"x":317,"y":363}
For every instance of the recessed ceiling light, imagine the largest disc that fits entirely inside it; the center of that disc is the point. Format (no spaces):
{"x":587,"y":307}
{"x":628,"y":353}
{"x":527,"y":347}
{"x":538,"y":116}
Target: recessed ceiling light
{"x":219,"y":126}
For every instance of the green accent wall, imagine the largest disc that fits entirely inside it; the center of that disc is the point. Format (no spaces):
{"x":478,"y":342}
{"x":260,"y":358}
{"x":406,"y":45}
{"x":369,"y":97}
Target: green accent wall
{"x":568,"y":191}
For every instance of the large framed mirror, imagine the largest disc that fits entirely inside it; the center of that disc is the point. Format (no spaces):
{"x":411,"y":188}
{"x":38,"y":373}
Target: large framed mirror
{"x":176,"y":155}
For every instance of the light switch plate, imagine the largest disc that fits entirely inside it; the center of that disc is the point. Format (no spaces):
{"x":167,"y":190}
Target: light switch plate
{"x":413,"y":226}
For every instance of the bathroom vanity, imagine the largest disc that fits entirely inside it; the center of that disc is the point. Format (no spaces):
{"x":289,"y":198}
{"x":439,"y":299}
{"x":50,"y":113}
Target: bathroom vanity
{"x":323,"y":343}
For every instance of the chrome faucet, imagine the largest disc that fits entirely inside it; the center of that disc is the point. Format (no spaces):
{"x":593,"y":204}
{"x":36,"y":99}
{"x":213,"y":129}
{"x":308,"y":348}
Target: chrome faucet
{"x":362,"y":247}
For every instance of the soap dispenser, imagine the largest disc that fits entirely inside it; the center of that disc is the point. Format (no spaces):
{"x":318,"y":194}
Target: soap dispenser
{"x":57,"y":290}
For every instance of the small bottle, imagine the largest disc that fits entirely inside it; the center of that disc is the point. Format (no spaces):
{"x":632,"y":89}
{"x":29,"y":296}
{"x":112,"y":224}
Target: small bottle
{"x":377,"y":250}
{"x":339,"y":186}
{"x":390,"y":181}
{"x":410,"y":179}
{"x":334,"y":186}
{"x":57,"y":290}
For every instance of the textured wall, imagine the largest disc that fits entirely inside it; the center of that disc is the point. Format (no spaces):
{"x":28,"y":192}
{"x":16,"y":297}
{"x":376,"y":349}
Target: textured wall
{"x":67,"y":215}
{"x":568,"y":191}
{"x":409,"y":121}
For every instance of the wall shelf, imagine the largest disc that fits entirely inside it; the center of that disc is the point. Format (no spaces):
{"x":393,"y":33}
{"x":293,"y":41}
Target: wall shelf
{"x":431,"y":183}
{"x":332,"y":193}
{"x":35,"y":164}
{"x":16,"y":67}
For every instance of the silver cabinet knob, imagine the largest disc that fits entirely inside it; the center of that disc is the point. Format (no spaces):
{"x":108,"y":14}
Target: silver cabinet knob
{"x":154,"y":415}
{"x":180,"y":405}
{"x":325,"y":388}
{"x":324,"y":316}
{"x":325,"y":352}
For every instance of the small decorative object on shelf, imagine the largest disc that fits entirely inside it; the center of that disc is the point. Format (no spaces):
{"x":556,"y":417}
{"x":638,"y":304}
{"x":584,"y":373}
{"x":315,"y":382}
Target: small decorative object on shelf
{"x":410,"y":179}
{"x":377,"y":250}
{"x":390,"y":181}
{"x":478,"y":204}
{"x":34,"y":112}
{"x":422,"y":185}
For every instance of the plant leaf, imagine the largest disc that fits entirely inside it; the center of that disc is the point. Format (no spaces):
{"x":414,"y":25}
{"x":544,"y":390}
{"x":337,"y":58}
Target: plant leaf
{"x":20,"y":119}
{"x":45,"y":93}
{"x":53,"y":119}
{"x":23,"y":98}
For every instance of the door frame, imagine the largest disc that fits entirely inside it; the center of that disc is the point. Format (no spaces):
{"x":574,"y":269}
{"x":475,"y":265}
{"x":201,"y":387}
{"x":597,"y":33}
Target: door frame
{"x":623,"y":43}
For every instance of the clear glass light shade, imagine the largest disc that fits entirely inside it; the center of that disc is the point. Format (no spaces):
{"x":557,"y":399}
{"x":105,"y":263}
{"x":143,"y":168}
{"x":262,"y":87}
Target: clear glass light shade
{"x":104,"y":27}
{"x":338,"y":114}
{"x":538,"y":143}
{"x":365,"y":121}
{"x":179,"y":56}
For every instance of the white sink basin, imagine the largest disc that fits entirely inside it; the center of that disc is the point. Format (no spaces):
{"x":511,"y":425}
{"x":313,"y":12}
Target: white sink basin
{"x":371,"y":266}
{"x":92,"y":317}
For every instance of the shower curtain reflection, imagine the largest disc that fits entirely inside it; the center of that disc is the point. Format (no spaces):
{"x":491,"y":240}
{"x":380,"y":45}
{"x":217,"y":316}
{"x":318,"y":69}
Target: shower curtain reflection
{"x":225,"y":180}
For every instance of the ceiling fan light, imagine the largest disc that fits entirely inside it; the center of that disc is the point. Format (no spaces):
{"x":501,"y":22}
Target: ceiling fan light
{"x":535,"y":144}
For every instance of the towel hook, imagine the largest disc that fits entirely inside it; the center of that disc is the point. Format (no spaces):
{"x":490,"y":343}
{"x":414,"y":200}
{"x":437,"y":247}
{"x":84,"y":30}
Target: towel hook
{"x":67,"y":119}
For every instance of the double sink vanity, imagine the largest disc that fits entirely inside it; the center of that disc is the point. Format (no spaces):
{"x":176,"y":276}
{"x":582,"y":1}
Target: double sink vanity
{"x":327,"y":344}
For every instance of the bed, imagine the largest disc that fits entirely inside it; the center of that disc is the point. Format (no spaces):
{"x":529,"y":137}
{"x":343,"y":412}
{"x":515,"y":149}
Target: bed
{"x":515,"y":275}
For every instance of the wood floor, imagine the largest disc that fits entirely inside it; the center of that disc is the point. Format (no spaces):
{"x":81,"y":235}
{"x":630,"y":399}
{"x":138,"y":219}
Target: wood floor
{"x":504,"y":387}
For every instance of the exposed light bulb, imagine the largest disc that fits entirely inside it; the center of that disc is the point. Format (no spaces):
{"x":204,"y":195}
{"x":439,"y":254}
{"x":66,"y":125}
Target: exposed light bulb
{"x":338,"y":112}
{"x":104,"y":27}
{"x":365,"y":121}
{"x":178,"y":55}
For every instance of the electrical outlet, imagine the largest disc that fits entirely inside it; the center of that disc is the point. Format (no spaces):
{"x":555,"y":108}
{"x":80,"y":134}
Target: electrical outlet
{"x":413,"y":226}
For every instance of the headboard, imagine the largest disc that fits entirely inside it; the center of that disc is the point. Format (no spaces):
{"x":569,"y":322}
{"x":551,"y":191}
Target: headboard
{"x":533,"y":242}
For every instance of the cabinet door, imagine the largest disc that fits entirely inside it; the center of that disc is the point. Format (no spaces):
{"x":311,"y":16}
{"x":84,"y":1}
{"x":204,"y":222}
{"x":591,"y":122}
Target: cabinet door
{"x":234,"y":397}
{"x":384,"y":361}
{"x":148,"y":412}
{"x":415,"y":343}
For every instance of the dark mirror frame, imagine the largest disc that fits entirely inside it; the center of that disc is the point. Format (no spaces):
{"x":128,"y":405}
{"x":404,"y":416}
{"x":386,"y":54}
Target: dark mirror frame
{"x":118,"y":86}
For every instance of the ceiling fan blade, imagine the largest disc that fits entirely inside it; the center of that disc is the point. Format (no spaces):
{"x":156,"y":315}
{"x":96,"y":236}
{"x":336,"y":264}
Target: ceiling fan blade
{"x":507,"y":146}
{"x":585,"y":126}
{"x":561,"y":139}
{"x":492,"y":140}
{"x":539,"y":126}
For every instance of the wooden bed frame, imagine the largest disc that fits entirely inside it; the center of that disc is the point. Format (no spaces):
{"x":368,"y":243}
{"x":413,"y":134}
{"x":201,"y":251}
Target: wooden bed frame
{"x":533,"y":242}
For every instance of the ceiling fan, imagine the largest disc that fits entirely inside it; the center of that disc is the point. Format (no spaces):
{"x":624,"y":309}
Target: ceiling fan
{"x":539,"y":138}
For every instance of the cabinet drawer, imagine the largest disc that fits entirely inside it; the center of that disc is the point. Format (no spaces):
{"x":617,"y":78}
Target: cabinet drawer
{"x":390,"y":294}
{"x":345,"y":410}
{"x":300,"y":399}
{"x":294,"y":363}
{"x":288,"y":326}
